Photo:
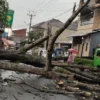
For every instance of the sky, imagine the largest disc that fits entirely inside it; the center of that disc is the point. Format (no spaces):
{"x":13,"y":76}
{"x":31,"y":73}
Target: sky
{"x":42,"y":10}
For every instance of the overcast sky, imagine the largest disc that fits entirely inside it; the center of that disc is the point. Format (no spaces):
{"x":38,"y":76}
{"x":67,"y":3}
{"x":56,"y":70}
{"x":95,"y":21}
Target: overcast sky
{"x":44,"y":10}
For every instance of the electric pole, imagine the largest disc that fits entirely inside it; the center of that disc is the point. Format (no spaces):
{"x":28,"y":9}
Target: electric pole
{"x":31,"y":15}
{"x":48,"y":33}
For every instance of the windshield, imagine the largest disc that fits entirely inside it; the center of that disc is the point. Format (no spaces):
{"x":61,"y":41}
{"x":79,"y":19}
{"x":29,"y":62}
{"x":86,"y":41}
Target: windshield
{"x":98,"y":53}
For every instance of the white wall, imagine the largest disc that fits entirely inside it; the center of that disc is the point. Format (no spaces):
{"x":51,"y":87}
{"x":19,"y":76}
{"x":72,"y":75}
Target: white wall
{"x":9,"y":31}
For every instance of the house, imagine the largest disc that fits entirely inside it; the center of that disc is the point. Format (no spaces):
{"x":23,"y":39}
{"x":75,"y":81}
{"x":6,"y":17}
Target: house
{"x":51,"y":26}
{"x":19,"y":35}
{"x":87,"y":36}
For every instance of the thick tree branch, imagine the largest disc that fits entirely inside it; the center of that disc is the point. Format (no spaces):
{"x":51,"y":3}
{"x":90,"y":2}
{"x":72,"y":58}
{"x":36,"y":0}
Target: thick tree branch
{"x":30,"y":46}
{"x":81,"y":2}
{"x":68,"y":22}
{"x":29,"y":69}
{"x":57,"y":33}
{"x":27,"y":59}
{"x":74,"y":7}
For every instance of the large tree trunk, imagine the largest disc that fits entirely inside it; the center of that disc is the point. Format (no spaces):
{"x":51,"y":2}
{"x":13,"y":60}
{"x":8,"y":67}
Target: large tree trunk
{"x":30,"y":69}
{"x":27,"y":59}
{"x":56,"y":35}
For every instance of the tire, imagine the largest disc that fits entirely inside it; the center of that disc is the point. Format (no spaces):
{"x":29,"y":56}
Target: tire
{"x":80,"y":63}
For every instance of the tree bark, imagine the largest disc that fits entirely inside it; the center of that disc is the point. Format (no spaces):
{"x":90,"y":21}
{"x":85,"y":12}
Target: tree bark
{"x":30,"y":69}
{"x":87,"y":86}
{"x":81,"y":67}
{"x":27,"y":59}
{"x":82,"y":74}
{"x":30,"y":46}
{"x":56,"y":35}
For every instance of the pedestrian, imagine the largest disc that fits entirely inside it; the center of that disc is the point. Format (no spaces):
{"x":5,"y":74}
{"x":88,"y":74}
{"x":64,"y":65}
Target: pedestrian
{"x":70,"y":58}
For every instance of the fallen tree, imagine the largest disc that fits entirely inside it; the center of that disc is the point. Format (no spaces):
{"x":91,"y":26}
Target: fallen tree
{"x":53,"y":38}
{"x":22,"y":58}
{"x":30,"y":46}
{"x":29,"y":69}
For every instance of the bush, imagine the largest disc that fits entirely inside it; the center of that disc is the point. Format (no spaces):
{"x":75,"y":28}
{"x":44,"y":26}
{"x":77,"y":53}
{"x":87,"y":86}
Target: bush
{"x":84,"y":61}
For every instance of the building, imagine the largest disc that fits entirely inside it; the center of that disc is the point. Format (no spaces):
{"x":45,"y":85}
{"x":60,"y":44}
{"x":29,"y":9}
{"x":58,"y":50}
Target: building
{"x":19,"y":35}
{"x":51,"y":26}
{"x":87,"y":36}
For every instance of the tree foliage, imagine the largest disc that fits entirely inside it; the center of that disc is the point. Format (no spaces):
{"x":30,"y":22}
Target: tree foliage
{"x":3,"y":12}
{"x":35,"y":34}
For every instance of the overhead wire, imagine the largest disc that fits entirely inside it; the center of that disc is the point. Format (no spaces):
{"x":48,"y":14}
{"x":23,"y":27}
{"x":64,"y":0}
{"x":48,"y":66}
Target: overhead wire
{"x":45,"y":5}
{"x":50,"y":4}
{"x":39,"y":4}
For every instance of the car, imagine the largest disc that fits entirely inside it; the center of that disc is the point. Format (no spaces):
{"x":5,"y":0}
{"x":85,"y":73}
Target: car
{"x":58,"y":54}
{"x":43,"y":53}
{"x":97,"y":58}
{"x":29,"y":52}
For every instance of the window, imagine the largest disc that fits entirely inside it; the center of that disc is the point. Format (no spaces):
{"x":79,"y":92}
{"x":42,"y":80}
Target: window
{"x":86,"y":47}
{"x":98,"y":53}
{"x":86,"y":17}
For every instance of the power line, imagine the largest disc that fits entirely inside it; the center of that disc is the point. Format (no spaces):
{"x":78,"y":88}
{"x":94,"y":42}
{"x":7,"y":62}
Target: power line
{"x":41,"y":10}
{"x":63,"y":13}
{"x":51,"y":4}
{"x":48,"y":6}
{"x":39,"y":4}
{"x":45,"y":4}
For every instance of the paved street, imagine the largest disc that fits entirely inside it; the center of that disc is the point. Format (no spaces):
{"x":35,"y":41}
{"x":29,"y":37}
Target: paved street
{"x":17,"y":91}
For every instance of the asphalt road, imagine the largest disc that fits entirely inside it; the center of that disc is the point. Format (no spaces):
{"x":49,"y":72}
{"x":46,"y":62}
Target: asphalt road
{"x":17,"y":91}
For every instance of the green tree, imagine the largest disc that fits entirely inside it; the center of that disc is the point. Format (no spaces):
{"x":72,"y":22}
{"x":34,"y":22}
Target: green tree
{"x":35,"y":34}
{"x":3,"y":13}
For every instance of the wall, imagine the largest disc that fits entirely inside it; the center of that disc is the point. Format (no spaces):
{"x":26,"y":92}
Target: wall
{"x":95,"y":40}
{"x":64,"y":36}
{"x":17,"y":39}
{"x":86,"y":28}
{"x":96,"y":19}
{"x":79,"y":45}
{"x":86,"y":45}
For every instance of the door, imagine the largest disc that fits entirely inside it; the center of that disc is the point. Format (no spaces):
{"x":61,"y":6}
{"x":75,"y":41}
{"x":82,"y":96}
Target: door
{"x":97,"y":58}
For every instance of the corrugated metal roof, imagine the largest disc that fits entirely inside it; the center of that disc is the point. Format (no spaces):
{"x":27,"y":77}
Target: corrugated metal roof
{"x":79,"y":34}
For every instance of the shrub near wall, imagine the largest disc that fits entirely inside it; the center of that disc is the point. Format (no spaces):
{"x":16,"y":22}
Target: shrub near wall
{"x":84,"y":61}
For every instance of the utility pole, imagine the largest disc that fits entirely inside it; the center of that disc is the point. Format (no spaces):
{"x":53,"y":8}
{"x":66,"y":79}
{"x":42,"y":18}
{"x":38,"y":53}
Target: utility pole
{"x":31,"y":15}
{"x":48,"y":33}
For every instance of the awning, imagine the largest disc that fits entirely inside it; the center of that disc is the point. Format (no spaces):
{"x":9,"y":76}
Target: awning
{"x":11,"y":42}
{"x":7,"y":42}
{"x":80,"y":34}
{"x":70,"y":41}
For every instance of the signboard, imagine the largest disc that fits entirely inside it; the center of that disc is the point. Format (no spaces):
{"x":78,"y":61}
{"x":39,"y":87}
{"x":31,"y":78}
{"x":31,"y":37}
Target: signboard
{"x":10,"y":16}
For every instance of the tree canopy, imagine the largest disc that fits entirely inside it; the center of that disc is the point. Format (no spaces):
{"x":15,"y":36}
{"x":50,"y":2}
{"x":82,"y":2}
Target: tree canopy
{"x":35,"y":34}
{"x":4,"y":6}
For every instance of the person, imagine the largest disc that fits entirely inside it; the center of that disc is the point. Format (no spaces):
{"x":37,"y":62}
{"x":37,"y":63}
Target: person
{"x":70,"y":58}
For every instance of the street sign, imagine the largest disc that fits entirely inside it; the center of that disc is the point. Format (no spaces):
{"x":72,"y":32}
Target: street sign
{"x":10,"y":16}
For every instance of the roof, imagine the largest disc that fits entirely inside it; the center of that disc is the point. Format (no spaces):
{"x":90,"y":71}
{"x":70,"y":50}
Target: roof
{"x":7,"y":42}
{"x":82,"y":34}
{"x":57,"y":23}
{"x":20,"y":32}
{"x":53,"y":22}
{"x":78,"y":35}
{"x":73,"y":26}
{"x":67,"y":41}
